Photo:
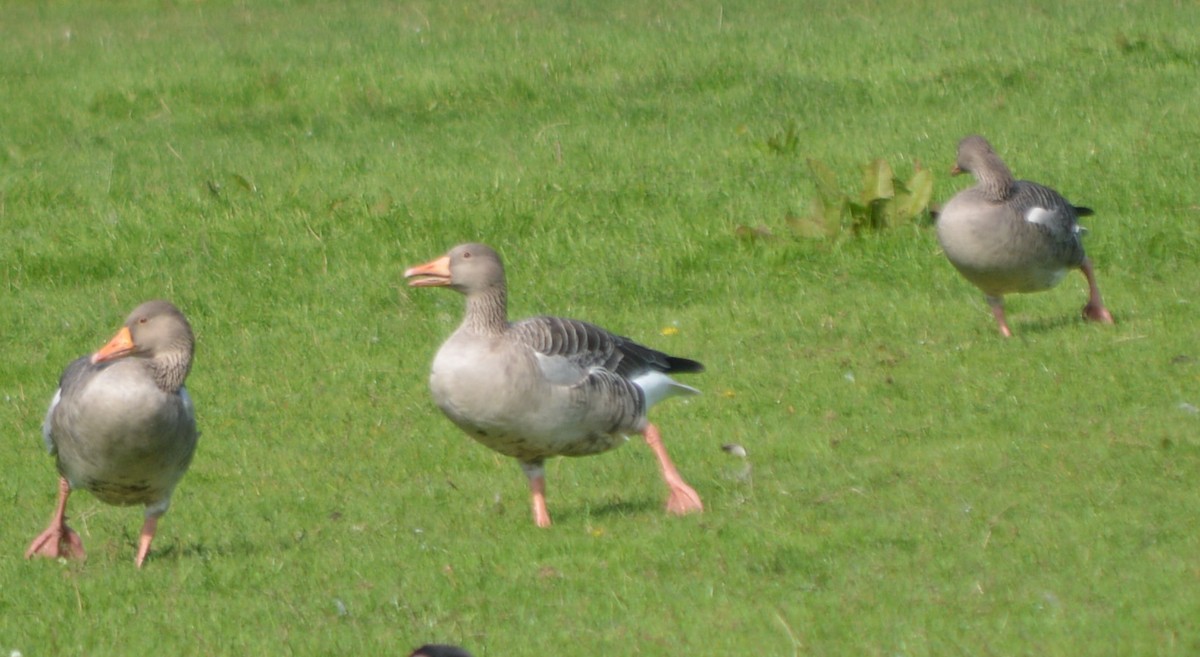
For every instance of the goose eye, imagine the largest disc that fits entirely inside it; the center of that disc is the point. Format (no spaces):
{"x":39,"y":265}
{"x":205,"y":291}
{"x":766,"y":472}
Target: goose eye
{"x":142,"y":320}
{"x":466,"y":254}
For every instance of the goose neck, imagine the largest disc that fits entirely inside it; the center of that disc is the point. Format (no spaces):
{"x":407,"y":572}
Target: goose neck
{"x":170,"y":369}
{"x":994,"y":179}
{"x":487,"y":311}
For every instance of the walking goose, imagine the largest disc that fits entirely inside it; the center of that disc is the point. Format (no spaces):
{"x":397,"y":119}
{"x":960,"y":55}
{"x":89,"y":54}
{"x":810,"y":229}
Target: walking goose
{"x":1007,"y":235}
{"x":545,"y":386}
{"x":122,"y":426}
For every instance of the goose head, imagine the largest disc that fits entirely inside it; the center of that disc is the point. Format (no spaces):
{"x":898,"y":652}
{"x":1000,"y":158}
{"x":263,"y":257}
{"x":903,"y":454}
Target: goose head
{"x":467,"y":268}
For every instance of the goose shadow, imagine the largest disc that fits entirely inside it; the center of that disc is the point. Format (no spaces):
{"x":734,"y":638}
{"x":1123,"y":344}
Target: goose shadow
{"x":1043,"y":325}
{"x":615,"y":508}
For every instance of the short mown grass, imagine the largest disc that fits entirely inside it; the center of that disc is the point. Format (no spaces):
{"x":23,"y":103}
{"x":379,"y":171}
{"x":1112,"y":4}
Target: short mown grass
{"x":915,"y":485}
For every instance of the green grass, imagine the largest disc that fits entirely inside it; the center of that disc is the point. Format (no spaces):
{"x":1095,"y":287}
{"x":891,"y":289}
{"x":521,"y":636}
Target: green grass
{"x":919,"y":486}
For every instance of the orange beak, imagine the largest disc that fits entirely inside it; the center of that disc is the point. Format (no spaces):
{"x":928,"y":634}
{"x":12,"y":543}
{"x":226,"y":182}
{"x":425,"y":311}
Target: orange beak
{"x":121,"y":345}
{"x":434,"y":273}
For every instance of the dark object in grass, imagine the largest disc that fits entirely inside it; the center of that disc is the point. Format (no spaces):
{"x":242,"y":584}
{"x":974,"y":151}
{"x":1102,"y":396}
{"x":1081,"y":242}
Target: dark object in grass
{"x":439,"y":650}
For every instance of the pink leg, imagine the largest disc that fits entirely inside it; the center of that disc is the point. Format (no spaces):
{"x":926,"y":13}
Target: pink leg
{"x":536,"y":473}
{"x":997,"y":304}
{"x":1094,"y":310}
{"x":148,"y":529}
{"x":58,"y":540}
{"x":683,"y":498}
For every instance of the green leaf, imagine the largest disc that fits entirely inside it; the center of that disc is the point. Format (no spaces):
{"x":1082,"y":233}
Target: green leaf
{"x":877,"y":181}
{"x":860,"y":216}
{"x":879,"y":210}
{"x":245,"y":183}
{"x":785,"y":141}
{"x":916,"y":197}
{"x":826,"y":181}
{"x":834,"y":215}
{"x":822,"y":220}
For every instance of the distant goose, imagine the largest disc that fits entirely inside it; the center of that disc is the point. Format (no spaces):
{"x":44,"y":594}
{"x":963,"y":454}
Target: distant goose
{"x":122,"y":426}
{"x":1007,"y":235}
{"x":545,"y":386}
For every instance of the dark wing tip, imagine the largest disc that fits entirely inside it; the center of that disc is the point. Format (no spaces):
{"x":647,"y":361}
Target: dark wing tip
{"x":1081,"y":211}
{"x":683,"y":365}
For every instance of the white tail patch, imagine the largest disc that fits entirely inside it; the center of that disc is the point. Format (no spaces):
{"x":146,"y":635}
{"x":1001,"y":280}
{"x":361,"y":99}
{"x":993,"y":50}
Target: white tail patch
{"x":1037,"y":215}
{"x":46,"y":423}
{"x":658,"y":386}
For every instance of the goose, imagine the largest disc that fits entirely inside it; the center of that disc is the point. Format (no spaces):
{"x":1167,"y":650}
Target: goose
{"x":121,"y":425}
{"x":545,"y":386}
{"x":1006,"y":235}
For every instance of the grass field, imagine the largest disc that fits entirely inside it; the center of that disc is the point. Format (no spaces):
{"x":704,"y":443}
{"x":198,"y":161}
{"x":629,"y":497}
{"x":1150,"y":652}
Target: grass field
{"x":915,"y":484}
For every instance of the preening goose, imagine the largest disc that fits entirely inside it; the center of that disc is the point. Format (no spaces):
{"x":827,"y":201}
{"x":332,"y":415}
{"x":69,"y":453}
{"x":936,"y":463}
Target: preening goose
{"x":545,"y":386}
{"x":1006,"y":235}
{"x":121,"y":425}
